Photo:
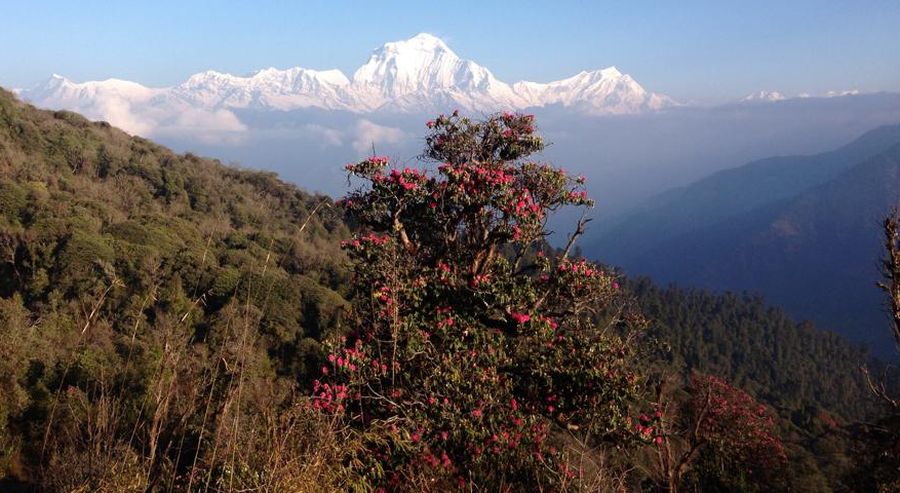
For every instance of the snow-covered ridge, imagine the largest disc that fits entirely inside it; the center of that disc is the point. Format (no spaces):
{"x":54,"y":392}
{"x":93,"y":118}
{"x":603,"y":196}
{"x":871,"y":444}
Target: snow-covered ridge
{"x":775,"y":96}
{"x":418,"y":74}
{"x":767,"y":96}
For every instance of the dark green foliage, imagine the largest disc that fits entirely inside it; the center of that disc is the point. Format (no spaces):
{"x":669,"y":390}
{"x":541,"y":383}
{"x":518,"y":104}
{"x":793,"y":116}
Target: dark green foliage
{"x":112,"y":249}
{"x":759,"y":348}
{"x":812,"y":378}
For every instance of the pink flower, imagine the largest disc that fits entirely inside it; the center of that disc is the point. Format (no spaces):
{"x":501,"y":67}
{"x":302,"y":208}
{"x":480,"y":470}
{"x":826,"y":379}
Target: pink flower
{"x":520,"y":318}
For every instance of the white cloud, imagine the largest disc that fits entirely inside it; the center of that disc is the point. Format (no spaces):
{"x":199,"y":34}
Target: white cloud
{"x":328,"y":136}
{"x":118,"y":112}
{"x":369,"y":134}
{"x":209,"y":126}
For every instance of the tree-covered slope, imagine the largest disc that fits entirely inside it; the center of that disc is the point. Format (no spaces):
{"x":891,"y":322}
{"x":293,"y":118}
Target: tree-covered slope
{"x":811,"y":377}
{"x":124,"y":265}
{"x":761,"y":349}
{"x":85,"y":207}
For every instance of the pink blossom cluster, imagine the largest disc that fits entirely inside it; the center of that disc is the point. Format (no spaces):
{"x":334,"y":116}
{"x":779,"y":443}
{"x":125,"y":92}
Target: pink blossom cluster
{"x":366,"y":240}
{"x":408,"y":179}
{"x":329,"y":397}
{"x":646,"y":430}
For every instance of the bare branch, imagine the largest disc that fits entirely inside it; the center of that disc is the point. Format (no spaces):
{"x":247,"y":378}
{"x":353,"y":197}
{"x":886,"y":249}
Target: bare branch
{"x":879,"y":388}
{"x":579,"y":230}
{"x":891,"y":269}
{"x":891,"y":272}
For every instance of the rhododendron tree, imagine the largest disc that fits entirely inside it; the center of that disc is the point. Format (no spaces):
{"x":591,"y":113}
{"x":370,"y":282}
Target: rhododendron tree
{"x":474,"y":346}
{"x":717,"y":433}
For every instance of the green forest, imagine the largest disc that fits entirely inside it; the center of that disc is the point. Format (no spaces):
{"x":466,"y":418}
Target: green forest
{"x":169,"y":323}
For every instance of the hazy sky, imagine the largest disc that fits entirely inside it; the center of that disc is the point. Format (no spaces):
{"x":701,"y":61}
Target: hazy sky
{"x":704,"y":51}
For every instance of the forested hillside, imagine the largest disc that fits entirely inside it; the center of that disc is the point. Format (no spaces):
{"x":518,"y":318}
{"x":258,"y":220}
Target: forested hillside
{"x":97,"y":221}
{"x":130,"y":271}
{"x":162,"y":316}
{"x":810,"y":376}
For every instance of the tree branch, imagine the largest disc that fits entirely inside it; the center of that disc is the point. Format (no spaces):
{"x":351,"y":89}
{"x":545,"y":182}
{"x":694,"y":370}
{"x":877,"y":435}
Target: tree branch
{"x":891,"y":272}
{"x":579,"y":230}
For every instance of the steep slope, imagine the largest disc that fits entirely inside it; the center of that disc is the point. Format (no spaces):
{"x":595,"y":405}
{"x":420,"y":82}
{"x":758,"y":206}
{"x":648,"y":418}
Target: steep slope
{"x":84,"y":206}
{"x":815,"y":254}
{"x":141,"y":288}
{"x":809,"y":376}
{"x":729,"y":193}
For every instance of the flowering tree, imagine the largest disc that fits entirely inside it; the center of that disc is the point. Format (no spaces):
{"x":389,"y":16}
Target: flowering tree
{"x":716,"y":423}
{"x":473,"y":346}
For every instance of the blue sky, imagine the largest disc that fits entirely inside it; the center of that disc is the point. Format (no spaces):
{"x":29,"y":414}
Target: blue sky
{"x":703,"y":51}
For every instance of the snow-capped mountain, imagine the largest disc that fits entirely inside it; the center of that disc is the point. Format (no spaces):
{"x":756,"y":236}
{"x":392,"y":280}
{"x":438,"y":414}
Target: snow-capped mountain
{"x":763,"y":96}
{"x":418,"y":74}
{"x":774,"y":96}
{"x":270,"y":88}
{"x":600,"y":91}
{"x":404,"y":75}
{"x":58,"y":87}
{"x":846,"y":92}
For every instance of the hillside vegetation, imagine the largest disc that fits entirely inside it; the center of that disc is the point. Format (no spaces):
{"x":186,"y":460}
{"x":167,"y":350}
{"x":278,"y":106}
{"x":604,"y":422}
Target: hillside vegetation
{"x":144,"y":279}
{"x":162,"y":320}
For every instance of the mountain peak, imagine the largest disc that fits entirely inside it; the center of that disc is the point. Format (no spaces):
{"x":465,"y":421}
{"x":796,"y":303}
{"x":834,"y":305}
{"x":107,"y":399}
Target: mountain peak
{"x":769,"y":96}
{"x":421,"y":63}
{"x":422,"y":41}
{"x":611,"y":72}
{"x":408,"y":75}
